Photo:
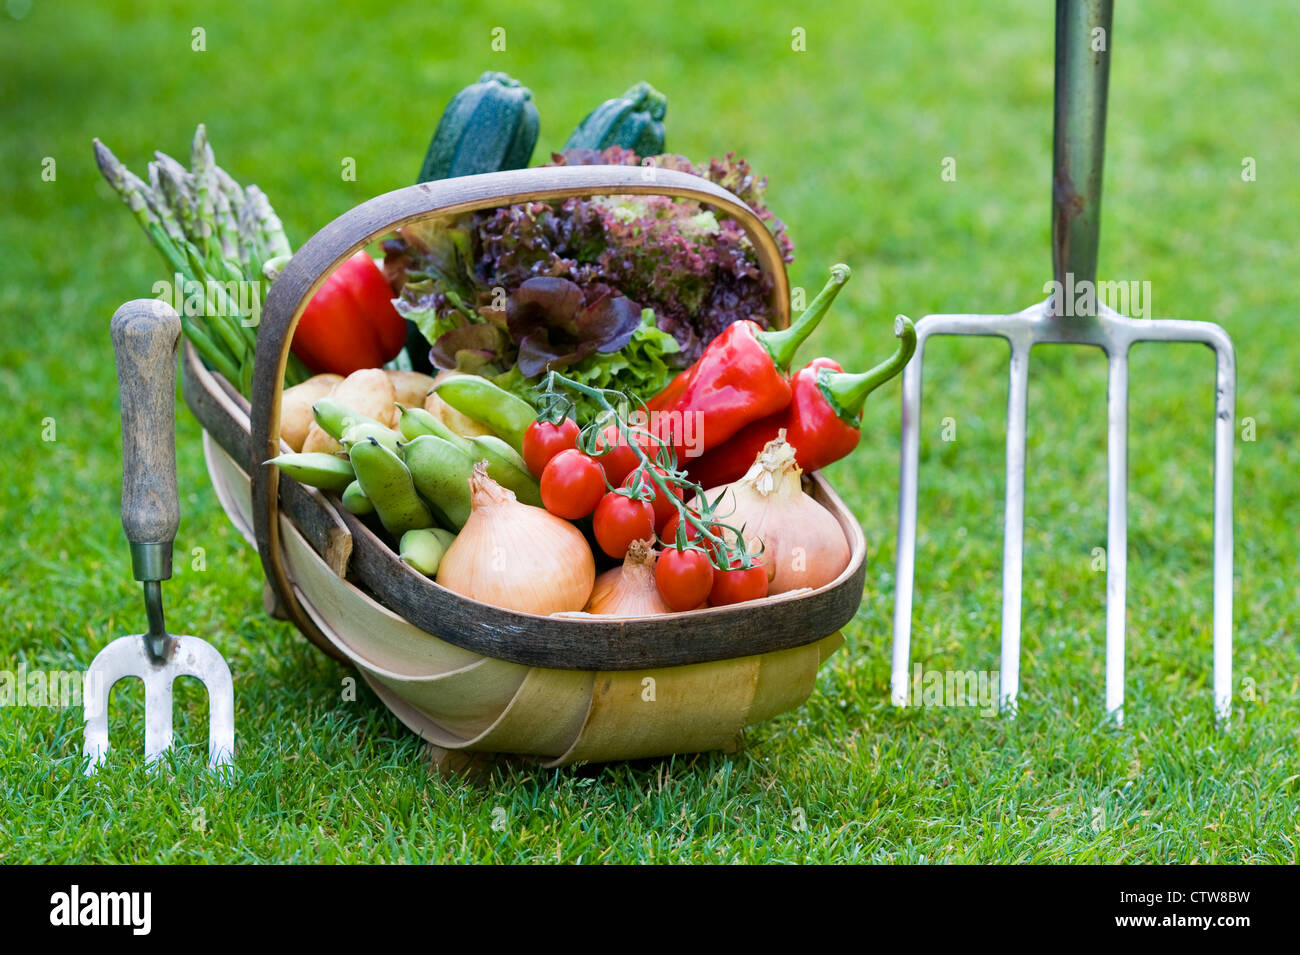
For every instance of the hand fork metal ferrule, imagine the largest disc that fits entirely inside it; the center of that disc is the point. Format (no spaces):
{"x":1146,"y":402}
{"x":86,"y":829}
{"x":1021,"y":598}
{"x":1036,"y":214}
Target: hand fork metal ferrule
{"x":1082,"y":73}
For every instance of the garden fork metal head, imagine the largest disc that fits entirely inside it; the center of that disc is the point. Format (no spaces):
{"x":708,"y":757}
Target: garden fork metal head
{"x":145,"y":336}
{"x":1083,"y":42}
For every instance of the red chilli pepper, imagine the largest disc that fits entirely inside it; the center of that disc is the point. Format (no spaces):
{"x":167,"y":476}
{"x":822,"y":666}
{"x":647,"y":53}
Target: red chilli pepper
{"x":350,"y":322}
{"x":739,"y":379}
{"x":823,"y":420}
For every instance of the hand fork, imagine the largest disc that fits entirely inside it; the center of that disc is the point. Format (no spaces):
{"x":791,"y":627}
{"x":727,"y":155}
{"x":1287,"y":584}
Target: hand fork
{"x":1079,"y":143}
{"x":145,"y":335}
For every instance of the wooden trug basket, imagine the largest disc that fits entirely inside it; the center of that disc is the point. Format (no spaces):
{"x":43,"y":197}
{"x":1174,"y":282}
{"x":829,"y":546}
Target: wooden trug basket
{"x":465,"y":675}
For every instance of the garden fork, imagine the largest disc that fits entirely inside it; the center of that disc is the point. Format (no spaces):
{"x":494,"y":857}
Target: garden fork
{"x":1083,"y":42}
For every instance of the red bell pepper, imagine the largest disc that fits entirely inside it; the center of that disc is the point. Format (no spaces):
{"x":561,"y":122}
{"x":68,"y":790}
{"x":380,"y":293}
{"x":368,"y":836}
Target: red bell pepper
{"x":740,"y":378}
{"x":350,"y":322}
{"x":823,"y":420}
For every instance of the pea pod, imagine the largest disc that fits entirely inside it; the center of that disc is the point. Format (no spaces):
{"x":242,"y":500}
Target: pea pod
{"x":423,"y":549}
{"x":317,"y":469}
{"x":365,"y":430}
{"x":334,"y":417}
{"x":355,"y":500}
{"x":506,"y":468}
{"x":387,"y":482}
{"x":441,"y":472}
{"x":505,"y":413}
{"x":417,"y":421}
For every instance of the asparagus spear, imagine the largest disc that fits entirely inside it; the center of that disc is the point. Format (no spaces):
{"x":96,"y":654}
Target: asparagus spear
{"x":212,"y":232}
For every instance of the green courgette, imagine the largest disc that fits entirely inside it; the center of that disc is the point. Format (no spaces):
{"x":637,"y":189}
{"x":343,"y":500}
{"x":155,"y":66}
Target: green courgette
{"x":634,"y":121}
{"x":487,"y":127}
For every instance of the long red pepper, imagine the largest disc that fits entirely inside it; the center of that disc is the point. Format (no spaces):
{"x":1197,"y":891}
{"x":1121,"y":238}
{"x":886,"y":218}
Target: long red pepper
{"x":823,"y":420}
{"x":739,"y":379}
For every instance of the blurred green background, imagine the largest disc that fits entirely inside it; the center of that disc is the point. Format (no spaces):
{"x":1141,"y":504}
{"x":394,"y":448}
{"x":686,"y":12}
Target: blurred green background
{"x":852,"y":133}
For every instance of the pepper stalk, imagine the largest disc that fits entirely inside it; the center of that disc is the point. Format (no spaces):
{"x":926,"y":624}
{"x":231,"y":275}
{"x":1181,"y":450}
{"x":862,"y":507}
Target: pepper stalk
{"x":782,"y":344}
{"x":847,"y":393}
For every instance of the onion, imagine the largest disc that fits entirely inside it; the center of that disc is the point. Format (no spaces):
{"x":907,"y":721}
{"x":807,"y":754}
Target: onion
{"x":803,"y":543}
{"x":516,"y":556}
{"x":629,"y":590}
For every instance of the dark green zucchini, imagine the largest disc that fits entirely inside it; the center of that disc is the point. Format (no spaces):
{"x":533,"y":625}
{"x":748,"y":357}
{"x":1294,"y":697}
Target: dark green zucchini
{"x":489,"y":126}
{"x":633,"y":121}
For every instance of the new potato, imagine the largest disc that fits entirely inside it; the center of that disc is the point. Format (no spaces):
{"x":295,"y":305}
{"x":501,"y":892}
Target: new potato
{"x":411,"y":387}
{"x":295,"y":407}
{"x":368,"y":392}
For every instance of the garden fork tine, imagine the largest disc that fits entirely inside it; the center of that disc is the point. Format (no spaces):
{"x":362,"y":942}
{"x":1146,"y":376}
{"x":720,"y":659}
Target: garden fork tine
{"x":1080,"y":111}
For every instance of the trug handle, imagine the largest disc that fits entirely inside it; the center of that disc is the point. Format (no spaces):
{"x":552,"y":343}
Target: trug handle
{"x":146,"y":333}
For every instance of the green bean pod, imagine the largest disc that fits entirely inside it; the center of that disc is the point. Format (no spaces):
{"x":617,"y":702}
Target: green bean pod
{"x":317,"y":469}
{"x":365,"y":430}
{"x":423,"y":549}
{"x":441,"y":472}
{"x":506,"y":468}
{"x":505,"y":413}
{"x":415,"y":422}
{"x":334,"y":417}
{"x":389,"y":485}
{"x":355,"y":500}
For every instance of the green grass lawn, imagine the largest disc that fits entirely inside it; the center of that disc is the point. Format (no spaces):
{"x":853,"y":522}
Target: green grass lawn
{"x":852,"y":134}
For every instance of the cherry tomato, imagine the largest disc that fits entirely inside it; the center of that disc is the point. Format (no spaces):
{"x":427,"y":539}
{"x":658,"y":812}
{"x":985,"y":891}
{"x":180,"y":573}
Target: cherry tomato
{"x":619,"y":521}
{"x":664,"y":509}
{"x":684,"y":577}
{"x":572,"y":485}
{"x":543,"y":441}
{"x":738,"y":584}
{"x":618,"y":458}
{"x":669,"y":532}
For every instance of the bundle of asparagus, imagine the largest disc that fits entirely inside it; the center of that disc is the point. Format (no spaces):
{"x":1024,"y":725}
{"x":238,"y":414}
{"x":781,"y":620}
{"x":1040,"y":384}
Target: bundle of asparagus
{"x":222,"y":240}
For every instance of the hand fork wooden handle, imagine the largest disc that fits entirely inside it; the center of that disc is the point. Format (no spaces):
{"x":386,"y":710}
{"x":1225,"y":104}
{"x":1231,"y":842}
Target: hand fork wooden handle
{"x":145,"y":335}
{"x":1083,"y":44}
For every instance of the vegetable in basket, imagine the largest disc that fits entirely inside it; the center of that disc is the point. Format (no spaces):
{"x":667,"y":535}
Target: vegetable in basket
{"x":387,"y":483}
{"x":633,"y":121}
{"x":629,"y":590}
{"x":683,"y":576}
{"x":423,"y":549}
{"x":350,"y":322}
{"x":489,"y":126}
{"x":822,"y":421}
{"x":225,"y":245}
{"x":515,"y":556}
{"x":617,"y":291}
{"x":803,"y":544}
{"x":739,"y":379}
{"x":628,"y":512}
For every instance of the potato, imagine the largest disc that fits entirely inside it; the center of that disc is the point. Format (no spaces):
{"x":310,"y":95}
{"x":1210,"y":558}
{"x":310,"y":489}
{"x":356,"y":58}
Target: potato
{"x":295,"y":407}
{"x":367,"y":392}
{"x":411,"y":387}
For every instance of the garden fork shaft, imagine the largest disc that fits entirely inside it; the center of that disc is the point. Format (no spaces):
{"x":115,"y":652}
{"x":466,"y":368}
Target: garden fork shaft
{"x":1083,"y":37}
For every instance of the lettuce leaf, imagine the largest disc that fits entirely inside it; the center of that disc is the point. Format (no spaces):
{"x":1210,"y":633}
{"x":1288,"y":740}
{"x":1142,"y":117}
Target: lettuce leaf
{"x":641,"y":367}
{"x":566,"y":284}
